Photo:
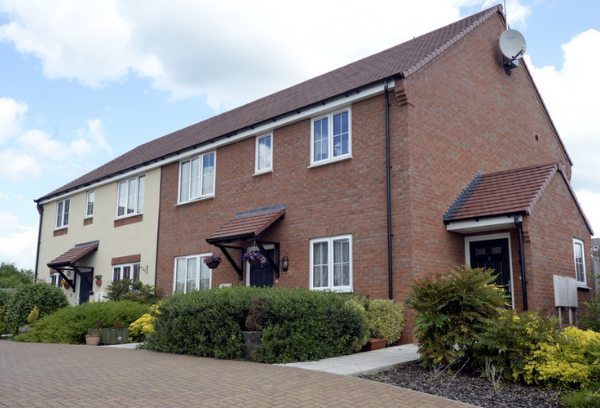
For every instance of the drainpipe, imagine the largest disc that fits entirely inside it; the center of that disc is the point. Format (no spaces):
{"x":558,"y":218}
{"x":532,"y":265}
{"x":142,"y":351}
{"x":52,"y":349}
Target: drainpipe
{"x":389,"y":192}
{"x":40,"y":209}
{"x":519,"y":225}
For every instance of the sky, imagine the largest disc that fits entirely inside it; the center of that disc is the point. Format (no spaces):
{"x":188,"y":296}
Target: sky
{"x":84,"y":81}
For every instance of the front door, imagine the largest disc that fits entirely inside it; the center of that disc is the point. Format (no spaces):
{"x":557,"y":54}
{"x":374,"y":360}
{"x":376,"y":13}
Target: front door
{"x":85,"y":287}
{"x":262,"y":274}
{"x":492,"y":254}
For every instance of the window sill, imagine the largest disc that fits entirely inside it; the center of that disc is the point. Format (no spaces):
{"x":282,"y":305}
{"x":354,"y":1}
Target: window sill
{"x":260,"y":173}
{"x":131,"y":219}
{"x":583,"y":287}
{"x":326,"y":162}
{"x":195,"y":200}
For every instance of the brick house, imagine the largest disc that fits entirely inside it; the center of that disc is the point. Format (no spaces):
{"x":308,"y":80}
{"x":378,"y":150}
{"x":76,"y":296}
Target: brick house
{"x":400,"y":165}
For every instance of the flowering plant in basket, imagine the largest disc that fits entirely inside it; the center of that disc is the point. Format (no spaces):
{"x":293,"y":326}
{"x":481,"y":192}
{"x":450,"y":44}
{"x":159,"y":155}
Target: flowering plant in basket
{"x":254,"y":258}
{"x":212,"y":261}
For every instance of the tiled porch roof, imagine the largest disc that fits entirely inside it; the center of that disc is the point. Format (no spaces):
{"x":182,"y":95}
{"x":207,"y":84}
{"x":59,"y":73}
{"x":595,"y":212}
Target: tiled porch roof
{"x":511,"y":192}
{"x":247,"y":225}
{"x":73,"y":255}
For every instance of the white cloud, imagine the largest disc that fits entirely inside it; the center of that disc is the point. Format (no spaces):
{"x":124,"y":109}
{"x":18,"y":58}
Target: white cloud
{"x":17,"y":165}
{"x":17,"y":241}
{"x":229,"y":52}
{"x":590,"y":202}
{"x":11,"y":113}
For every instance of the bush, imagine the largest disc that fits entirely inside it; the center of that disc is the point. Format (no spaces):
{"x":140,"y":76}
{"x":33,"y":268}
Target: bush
{"x":510,"y":339}
{"x":590,"y":314}
{"x":451,"y":312}
{"x":45,"y":297}
{"x":134,"y":291}
{"x":143,"y":326}
{"x":572,"y":361}
{"x":385,"y":319}
{"x":300,"y":325}
{"x":71,"y":324}
{"x":588,"y":398}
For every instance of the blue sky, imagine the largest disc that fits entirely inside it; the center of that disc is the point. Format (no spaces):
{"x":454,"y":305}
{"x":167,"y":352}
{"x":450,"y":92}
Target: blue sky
{"x":82,"y":82}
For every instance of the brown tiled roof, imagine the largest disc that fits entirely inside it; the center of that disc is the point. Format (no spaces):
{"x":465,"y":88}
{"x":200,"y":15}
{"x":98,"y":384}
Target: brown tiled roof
{"x":399,"y":61}
{"x":509,"y":192}
{"x":73,"y":255}
{"x":247,"y":225}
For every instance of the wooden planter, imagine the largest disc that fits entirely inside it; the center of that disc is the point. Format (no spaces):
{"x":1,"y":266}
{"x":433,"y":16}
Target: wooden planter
{"x":111,"y":336}
{"x":375,"y":344}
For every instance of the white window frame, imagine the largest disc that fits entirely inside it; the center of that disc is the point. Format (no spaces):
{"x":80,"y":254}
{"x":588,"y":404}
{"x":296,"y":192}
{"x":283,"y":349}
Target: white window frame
{"x":132,"y":271}
{"x":55,"y":279}
{"x":90,"y":198}
{"x":63,"y":208}
{"x":330,"y":138}
{"x":137,"y":195}
{"x":202,"y":272}
{"x":330,"y":263}
{"x":259,"y":154}
{"x":201,"y":177}
{"x":577,"y":266}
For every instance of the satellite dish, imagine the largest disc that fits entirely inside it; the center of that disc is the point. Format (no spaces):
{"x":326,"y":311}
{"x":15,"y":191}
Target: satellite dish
{"x":513,"y":46}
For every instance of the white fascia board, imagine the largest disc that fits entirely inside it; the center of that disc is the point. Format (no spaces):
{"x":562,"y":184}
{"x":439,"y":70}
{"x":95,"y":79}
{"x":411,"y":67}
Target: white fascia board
{"x":484,"y":224}
{"x":339,"y":102}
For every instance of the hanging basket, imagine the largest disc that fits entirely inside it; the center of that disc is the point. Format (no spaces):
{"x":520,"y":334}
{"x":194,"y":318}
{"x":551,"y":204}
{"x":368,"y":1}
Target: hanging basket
{"x":254,"y":262}
{"x":213,"y":264}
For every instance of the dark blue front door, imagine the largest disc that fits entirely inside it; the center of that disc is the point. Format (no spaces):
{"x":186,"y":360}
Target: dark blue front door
{"x":85,"y":287}
{"x":492,"y":254}
{"x":262,"y":274}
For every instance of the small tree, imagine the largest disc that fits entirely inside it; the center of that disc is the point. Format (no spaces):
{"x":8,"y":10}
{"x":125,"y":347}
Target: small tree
{"x":452,"y":310}
{"x":12,"y":277}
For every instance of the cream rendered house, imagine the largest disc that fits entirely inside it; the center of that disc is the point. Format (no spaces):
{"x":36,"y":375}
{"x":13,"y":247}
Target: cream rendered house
{"x":106,"y":229}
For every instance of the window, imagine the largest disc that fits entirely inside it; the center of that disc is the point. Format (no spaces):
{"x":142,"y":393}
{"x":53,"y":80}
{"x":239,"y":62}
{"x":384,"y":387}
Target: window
{"x":62,"y":213}
{"x":578,"y":252}
{"x":331,"y":263}
{"x":191,"y":273}
{"x":89,"y":209}
{"x":197,"y":178}
{"x":264,"y":154}
{"x":331,"y":138}
{"x":126,"y":271}
{"x":130,"y":198}
{"x":55,"y":279}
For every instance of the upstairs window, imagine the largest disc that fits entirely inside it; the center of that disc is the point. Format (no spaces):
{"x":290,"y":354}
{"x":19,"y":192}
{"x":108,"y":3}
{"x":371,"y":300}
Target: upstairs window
{"x":197,"y":178}
{"x":126,"y":271}
{"x":191,"y":273}
{"x":89,"y":209}
{"x":331,"y":138}
{"x":331,"y":263}
{"x":62,"y":213}
{"x":264,"y":154}
{"x":130,"y":198}
{"x":578,"y":252}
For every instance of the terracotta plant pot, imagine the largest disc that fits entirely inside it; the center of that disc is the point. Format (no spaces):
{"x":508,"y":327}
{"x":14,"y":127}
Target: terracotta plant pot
{"x":92,"y":339}
{"x":375,"y":344}
{"x":98,"y":283}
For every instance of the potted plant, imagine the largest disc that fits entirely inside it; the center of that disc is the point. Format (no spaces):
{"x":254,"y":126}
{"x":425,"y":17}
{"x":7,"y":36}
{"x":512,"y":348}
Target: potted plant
{"x":98,"y":280}
{"x":65,"y":284}
{"x":213,"y":261}
{"x":255,"y":322}
{"x":116,"y":335}
{"x":386,"y":322}
{"x":92,"y":339}
{"x":254,"y":258}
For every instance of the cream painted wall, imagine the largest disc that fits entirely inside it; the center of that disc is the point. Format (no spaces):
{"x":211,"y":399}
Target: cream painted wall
{"x":132,"y":239}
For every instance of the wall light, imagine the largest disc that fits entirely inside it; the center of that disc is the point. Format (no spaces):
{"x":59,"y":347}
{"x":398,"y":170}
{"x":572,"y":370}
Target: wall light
{"x":285,"y":263}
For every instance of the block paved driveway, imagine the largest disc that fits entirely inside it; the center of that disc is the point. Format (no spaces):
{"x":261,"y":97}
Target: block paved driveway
{"x":60,"y":375}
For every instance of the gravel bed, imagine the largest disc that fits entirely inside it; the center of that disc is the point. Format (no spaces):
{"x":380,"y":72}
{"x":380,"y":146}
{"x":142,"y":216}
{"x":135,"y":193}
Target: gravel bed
{"x":467,"y":387}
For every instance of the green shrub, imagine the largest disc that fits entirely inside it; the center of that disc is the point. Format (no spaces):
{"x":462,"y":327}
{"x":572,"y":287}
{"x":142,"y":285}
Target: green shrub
{"x":45,"y":297}
{"x":451,"y":312}
{"x":510,"y":339}
{"x":71,"y":324}
{"x":385,"y":319}
{"x":135,"y":291}
{"x":588,"y":398}
{"x":590,"y":314}
{"x":300,"y":325}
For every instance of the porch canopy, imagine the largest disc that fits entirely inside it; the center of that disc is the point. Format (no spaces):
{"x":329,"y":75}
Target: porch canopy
{"x":498,"y":200}
{"x":247,"y":226}
{"x":66,"y":261}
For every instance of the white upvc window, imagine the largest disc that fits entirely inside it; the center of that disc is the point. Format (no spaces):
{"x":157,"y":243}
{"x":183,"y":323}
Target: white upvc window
{"x":89,"y":208}
{"x":62,"y":213}
{"x":55,"y":279}
{"x":264,"y":154}
{"x":331,"y":263}
{"x":126,"y":271}
{"x":331,"y":137}
{"x":197,"y":177}
{"x":579,"y":257}
{"x":130,"y":197}
{"x":191,"y":273}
